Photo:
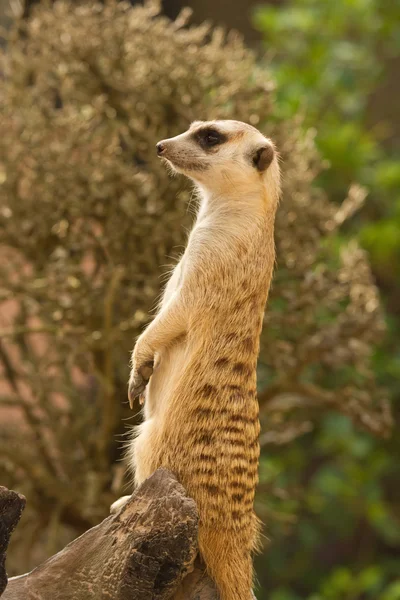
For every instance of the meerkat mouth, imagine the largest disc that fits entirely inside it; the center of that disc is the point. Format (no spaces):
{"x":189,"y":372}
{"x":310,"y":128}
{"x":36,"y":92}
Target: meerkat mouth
{"x":184,"y":165}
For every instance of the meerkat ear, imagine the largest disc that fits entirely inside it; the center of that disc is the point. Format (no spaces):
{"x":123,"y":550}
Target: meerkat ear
{"x":262,"y":157}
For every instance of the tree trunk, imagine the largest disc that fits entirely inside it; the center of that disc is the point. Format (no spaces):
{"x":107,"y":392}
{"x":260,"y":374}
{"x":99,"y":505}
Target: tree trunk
{"x":11,"y":507}
{"x":146,"y":551}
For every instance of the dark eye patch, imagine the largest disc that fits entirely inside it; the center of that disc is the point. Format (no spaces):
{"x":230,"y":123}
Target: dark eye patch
{"x":209,"y":138}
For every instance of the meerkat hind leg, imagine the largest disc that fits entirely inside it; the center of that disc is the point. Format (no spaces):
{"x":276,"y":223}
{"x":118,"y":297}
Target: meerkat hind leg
{"x":118,"y":504}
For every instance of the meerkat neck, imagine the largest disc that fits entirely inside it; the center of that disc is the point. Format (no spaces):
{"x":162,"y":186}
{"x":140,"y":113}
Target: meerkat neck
{"x":247,"y":205}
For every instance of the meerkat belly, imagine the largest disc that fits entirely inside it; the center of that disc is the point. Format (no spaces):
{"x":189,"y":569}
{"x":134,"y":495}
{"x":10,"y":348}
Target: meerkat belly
{"x":168,"y":369}
{"x":206,"y":402}
{"x":147,"y":449}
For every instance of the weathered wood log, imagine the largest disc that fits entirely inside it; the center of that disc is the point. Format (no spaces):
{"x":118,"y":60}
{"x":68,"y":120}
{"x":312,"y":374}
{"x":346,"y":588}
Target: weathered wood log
{"x":11,"y":507}
{"x":146,"y":551}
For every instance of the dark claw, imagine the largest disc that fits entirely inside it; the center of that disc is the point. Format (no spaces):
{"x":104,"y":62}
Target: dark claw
{"x":139,"y":381}
{"x":135,"y":389}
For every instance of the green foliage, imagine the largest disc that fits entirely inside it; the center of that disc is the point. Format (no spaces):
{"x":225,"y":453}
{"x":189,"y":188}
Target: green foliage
{"x":330,"y":47}
{"x":328,"y":58}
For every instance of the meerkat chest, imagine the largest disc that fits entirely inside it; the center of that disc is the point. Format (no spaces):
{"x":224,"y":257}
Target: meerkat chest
{"x":174,"y":282}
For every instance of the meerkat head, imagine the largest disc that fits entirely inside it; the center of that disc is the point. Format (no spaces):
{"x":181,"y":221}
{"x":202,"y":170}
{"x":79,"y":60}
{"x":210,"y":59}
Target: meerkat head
{"x":224,"y":157}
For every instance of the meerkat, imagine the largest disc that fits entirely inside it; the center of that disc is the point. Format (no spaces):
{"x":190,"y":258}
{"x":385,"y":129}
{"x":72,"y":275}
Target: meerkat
{"x":196,"y":361}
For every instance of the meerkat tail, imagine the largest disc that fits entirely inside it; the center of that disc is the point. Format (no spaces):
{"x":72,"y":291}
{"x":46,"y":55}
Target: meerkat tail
{"x":229,"y":563}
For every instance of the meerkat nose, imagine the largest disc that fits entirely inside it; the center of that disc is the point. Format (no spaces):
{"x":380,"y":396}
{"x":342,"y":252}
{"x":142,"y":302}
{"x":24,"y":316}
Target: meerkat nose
{"x":160,"y":148}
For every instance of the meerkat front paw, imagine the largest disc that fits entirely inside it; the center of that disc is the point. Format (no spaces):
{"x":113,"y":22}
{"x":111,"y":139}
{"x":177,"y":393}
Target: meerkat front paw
{"x":139,"y":378}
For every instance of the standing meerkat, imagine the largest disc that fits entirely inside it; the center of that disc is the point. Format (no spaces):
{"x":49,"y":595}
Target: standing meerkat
{"x":199,"y":354}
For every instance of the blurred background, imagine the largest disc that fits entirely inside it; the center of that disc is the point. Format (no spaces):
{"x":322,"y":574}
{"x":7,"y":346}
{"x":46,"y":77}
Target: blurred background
{"x":90,"y":222}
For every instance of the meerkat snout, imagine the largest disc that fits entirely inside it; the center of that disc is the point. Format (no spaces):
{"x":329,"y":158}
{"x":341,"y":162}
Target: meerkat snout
{"x":160,"y":148}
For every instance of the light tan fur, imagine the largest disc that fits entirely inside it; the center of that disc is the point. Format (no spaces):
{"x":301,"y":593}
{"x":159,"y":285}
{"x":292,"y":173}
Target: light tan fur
{"x":201,"y":410}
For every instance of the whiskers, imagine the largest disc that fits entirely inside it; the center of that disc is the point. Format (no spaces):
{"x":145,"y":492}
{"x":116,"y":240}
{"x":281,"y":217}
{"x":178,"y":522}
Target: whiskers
{"x":124,"y":446}
{"x":170,"y":167}
{"x":193,"y":203}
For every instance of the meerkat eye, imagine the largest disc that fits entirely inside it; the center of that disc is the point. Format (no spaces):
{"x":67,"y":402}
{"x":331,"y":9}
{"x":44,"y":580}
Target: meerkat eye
{"x":210,"y":137}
